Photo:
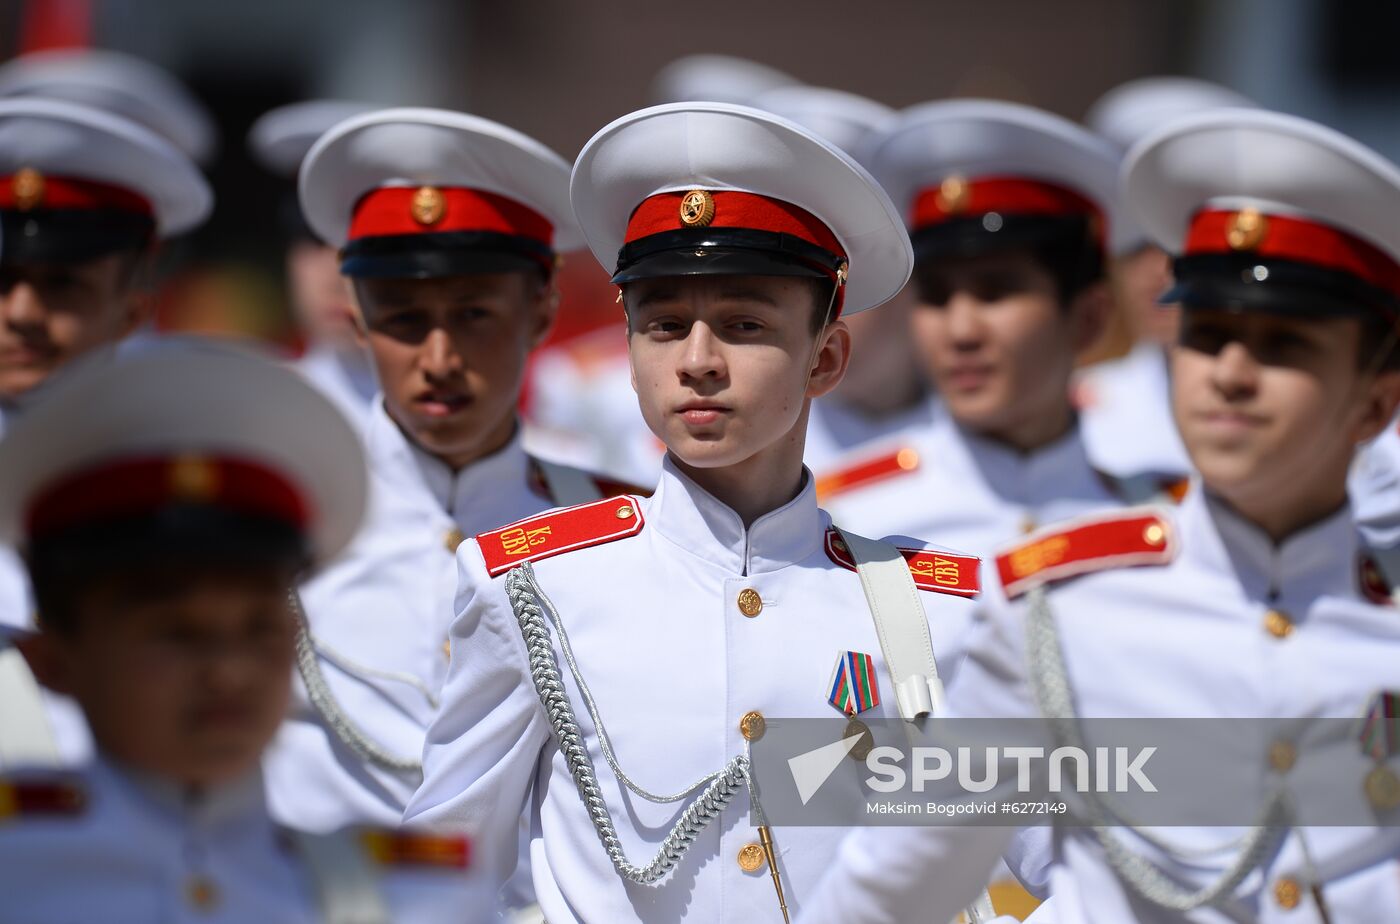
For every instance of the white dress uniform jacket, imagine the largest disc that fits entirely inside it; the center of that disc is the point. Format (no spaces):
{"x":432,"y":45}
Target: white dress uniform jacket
{"x":380,"y":617}
{"x":655,"y":622}
{"x":1233,"y":627}
{"x":974,"y":493}
{"x":114,"y":846}
{"x":348,"y":380}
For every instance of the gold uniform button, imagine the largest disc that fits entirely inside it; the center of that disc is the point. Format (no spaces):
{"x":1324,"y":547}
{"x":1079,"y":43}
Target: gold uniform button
{"x":1154,"y":534}
{"x":625,"y":512}
{"x":750,"y":603}
{"x":1277,"y":624}
{"x":1282,"y":755}
{"x":201,"y":893}
{"x":1288,"y":893}
{"x":453,"y":538}
{"x":752,"y":726}
{"x":751,"y":858}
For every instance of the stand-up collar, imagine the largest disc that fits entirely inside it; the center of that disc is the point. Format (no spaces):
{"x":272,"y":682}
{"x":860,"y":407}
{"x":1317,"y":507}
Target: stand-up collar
{"x":206,"y":807}
{"x":700,"y":524}
{"x":470,"y":496}
{"x":1318,"y":560}
{"x":1056,"y":470}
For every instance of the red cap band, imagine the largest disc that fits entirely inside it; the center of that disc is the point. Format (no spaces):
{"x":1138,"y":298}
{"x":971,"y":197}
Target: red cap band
{"x":961,"y":198}
{"x":132,"y":487}
{"x":393,"y":210}
{"x":732,"y":209}
{"x":29,"y":189}
{"x":1289,"y":238}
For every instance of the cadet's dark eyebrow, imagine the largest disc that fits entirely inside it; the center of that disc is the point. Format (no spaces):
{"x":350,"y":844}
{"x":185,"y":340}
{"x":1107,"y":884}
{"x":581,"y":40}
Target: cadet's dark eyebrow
{"x":748,"y":295}
{"x":652,"y":296}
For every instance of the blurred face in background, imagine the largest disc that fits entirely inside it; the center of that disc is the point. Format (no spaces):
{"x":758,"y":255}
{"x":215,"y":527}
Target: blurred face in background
{"x":1272,"y":408}
{"x":1138,"y":279}
{"x":51,"y":313}
{"x":450,"y":355}
{"x":186,"y":677}
{"x":321,"y":297}
{"x":999,"y":344}
{"x":884,"y":374}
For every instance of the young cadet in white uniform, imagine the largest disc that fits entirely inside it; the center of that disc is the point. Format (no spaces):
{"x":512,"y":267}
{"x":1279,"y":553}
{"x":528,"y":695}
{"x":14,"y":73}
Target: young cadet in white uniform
{"x":884,"y":391}
{"x":335,"y":360}
{"x":1009,"y":209}
{"x":85,"y":199}
{"x":1124,"y":402}
{"x":737,"y":239}
{"x":1251,"y":600}
{"x":448,"y":226}
{"x":165,"y":501}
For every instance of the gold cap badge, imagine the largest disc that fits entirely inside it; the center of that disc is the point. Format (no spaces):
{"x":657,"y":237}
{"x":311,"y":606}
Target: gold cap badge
{"x":28,"y":188}
{"x":953,"y":194}
{"x":194,"y":478}
{"x":428,"y":205}
{"x":697,"y":208}
{"x":1247,"y":229}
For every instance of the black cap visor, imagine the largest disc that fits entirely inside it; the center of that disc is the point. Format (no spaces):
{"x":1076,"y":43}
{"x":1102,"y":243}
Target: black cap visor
{"x":994,"y":232}
{"x":71,"y":236}
{"x":1245,"y":282}
{"x":724,"y":251}
{"x":443,"y":253}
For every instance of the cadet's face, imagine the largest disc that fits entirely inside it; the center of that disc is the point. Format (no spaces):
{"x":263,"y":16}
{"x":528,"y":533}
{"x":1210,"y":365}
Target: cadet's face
{"x":450,"y":354}
{"x":997,"y":343}
{"x":52,"y":313}
{"x":1271,"y":408}
{"x":320,"y":295}
{"x":190,"y":685}
{"x":721,"y":363}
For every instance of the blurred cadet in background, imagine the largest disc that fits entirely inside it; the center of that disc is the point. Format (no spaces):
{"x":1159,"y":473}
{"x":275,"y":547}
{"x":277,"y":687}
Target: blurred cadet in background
{"x":884,"y":390}
{"x":1010,"y":210}
{"x":448,"y":227}
{"x":1123,"y":396}
{"x":335,"y":359}
{"x":85,"y":198}
{"x":164,"y":502}
{"x":1252,"y":599}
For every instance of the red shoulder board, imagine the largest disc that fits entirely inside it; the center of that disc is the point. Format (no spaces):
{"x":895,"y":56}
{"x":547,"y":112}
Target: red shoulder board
{"x":1132,"y":537}
{"x":943,"y":572}
{"x":557,"y":531}
{"x":409,"y":848}
{"x":1372,"y":582}
{"x":867,"y":472}
{"x":47,"y":798}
